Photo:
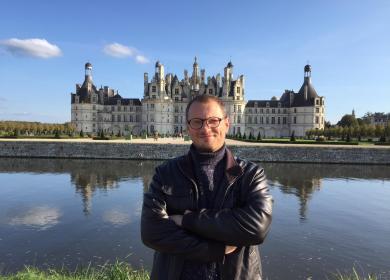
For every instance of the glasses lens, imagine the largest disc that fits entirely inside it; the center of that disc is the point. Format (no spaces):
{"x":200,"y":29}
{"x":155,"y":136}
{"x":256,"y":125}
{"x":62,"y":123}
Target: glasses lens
{"x":196,"y":123}
{"x":213,"y":122}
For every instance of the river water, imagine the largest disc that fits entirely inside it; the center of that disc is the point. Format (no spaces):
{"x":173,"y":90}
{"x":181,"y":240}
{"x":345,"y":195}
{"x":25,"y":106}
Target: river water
{"x":68,"y":213}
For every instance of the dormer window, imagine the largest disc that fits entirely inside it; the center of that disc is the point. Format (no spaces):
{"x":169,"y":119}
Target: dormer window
{"x":77,"y":99}
{"x":267,"y":105}
{"x":279,"y":105}
{"x":118,"y":102}
{"x":317,"y":102}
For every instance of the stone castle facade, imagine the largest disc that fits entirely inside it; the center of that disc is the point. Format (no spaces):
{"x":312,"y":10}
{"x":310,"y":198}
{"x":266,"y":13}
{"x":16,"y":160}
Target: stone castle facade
{"x":165,"y":97}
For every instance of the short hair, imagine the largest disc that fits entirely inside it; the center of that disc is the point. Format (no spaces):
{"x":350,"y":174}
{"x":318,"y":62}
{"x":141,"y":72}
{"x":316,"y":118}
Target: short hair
{"x":204,"y":98}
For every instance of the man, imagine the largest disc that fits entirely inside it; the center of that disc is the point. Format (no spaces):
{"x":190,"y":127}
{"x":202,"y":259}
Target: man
{"x":206,"y":212}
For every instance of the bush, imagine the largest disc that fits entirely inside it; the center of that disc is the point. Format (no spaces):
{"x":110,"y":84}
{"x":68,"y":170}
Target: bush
{"x":292,"y":138}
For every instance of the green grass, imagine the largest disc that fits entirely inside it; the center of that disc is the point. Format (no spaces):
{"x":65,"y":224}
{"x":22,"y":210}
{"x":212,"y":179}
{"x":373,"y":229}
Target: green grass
{"x":116,"y":271}
{"x":354,"y":276}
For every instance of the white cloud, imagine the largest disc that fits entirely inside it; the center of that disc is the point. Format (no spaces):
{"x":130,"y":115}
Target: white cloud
{"x":40,"y":48}
{"x":122,"y":51}
{"x":118,"y":50}
{"x":42,"y":217}
{"x":141,"y":59}
{"x":116,"y":217}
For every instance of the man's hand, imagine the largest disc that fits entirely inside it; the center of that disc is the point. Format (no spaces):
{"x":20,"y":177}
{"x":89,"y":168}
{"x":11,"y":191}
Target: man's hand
{"x":177,"y":219}
{"x":229,"y":249}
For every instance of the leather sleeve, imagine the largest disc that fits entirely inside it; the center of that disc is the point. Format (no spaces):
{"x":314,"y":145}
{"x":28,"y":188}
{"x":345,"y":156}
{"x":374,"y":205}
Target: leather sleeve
{"x":245,"y":225}
{"x":163,"y":235}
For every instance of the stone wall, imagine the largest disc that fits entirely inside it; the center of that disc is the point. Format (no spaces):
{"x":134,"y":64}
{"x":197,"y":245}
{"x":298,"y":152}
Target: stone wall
{"x":263,"y":153}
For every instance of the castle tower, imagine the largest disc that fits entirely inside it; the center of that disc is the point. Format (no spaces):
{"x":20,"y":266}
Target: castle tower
{"x":88,"y":71}
{"x":307,"y":89}
{"x":195,"y":75}
{"x":160,"y":77}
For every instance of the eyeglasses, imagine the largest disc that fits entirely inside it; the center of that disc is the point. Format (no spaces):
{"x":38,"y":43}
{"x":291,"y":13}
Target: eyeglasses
{"x":211,"y":122}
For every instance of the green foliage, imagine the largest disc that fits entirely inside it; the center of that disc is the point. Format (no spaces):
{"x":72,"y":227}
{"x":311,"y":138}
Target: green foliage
{"x":292,"y":138}
{"x":116,"y":271}
{"x":347,"y":121}
{"x":259,"y":136}
{"x":81,"y":133}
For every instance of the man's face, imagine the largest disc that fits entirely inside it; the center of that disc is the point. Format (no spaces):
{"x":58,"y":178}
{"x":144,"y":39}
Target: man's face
{"x":207,"y":139}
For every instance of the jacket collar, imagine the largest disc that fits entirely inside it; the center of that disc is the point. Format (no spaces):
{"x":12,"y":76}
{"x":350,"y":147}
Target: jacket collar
{"x":232,"y":168}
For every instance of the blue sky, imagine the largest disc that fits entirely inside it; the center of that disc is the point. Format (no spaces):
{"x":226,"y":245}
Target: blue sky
{"x":45,"y":44}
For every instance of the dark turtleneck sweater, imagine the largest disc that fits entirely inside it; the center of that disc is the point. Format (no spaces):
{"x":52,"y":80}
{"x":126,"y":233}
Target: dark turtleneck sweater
{"x":209,"y":172}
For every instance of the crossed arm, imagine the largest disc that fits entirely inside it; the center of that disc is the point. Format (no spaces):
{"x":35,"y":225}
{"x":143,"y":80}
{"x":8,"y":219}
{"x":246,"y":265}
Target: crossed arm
{"x":204,"y":235}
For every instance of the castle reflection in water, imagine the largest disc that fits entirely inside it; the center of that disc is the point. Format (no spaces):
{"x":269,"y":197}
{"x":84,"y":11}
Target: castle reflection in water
{"x":90,"y":176}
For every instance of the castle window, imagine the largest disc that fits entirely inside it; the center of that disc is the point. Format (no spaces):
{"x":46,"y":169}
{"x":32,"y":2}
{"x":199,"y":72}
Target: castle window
{"x":285,"y":111}
{"x":273,"y":111}
{"x":317,"y":110}
{"x":239,"y":108}
{"x":93,"y":107}
{"x":176,"y":91}
{"x":153,"y":88}
{"x":176,"y":98}
{"x":295,"y":119}
{"x":238,"y":119}
{"x":267,"y":111}
{"x":273,"y":120}
{"x":262,"y":120}
{"x":255,"y":120}
{"x":278,"y":120}
{"x":317,"y":119}
{"x":238,"y":89}
{"x":295,"y":110}
{"x":284,"y":120}
{"x":152,"y":107}
{"x":261,"y":110}
{"x":112,"y":108}
{"x":267,"y":120}
{"x":317,"y":102}
{"x":119,"y":108}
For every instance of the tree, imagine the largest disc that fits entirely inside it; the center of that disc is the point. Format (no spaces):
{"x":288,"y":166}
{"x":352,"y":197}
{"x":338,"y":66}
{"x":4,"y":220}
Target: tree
{"x":244,"y":136}
{"x":292,"y":138}
{"x":81,"y":133}
{"x":259,"y":136}
{"x":347,"y":121}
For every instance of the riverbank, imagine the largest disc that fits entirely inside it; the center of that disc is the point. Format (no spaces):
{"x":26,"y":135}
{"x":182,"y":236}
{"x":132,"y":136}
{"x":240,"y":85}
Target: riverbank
{"x":121,"y":271}
{"x":166,"y":148}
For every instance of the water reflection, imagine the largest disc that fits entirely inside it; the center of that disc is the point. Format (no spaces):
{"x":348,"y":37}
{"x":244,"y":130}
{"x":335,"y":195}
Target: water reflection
{"x":58,"y":212}
{"x":303,"y":180}
{"x":86,"y":176}
{"x":40,"y":217}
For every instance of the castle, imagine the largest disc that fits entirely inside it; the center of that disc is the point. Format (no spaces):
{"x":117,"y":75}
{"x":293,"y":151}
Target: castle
{"x":165,"y":97}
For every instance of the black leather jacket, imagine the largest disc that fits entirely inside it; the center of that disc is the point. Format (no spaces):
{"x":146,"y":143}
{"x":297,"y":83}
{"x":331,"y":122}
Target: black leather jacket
{"x":241,"y":217}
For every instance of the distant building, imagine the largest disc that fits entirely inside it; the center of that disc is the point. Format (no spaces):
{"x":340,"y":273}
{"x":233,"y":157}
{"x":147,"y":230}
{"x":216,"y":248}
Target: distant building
{"x":379,"y":118}
{"x":165,"y":97}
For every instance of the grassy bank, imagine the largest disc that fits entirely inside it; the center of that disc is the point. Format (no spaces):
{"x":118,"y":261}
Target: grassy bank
{"x":122,"y":271}
{"x":116,"y":271}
